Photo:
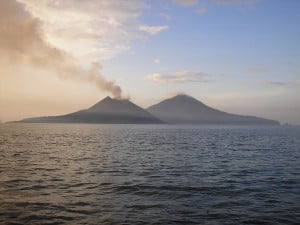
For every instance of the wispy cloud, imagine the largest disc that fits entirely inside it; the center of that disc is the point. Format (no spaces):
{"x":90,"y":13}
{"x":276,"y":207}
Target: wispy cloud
{"x":275,"y":83}
{"x":185,"y":2}
{"x":165,"y":16}
{"x":282,"y":84}
{"x":178,"y":77}
{"x":156,"y":61}
{"x":90,"y":29}
{"x":22,"y":39}
{"x":153,"y":30}
{"x":257,"y":69}
{"x":235,"y":1}
{"x":189,"y":3}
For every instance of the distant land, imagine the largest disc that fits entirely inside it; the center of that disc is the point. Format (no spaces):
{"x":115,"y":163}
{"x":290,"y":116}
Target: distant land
{"x":181,"y":109}
{"x":184,"y":109}
{"x":107,"y":111}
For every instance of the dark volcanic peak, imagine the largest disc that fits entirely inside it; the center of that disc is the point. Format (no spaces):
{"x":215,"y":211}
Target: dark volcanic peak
{"x":108,"y":101}
{"x":117,"y":106}
{"x":186,"y":109}
{"x":108,"y":110}
{"x":179,"y":109}
{"x":183,"y":98}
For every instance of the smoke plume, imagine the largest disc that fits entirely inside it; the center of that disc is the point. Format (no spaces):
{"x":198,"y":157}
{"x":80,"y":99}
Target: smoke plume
{"x":22,"y":41}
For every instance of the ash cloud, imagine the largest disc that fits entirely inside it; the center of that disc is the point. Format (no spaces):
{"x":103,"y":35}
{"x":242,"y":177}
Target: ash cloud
{"x":22,"y":42}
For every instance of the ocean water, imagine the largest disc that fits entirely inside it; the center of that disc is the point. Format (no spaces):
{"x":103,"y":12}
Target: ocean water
{"x":149,"y":174}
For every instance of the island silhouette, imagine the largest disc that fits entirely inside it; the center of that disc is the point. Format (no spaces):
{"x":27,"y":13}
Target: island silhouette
{"x":181,"y":109}
{"x":185,"y":109}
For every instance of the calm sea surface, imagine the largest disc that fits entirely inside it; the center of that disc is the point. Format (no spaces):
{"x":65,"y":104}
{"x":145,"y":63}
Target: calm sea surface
{"x":148,"y":174}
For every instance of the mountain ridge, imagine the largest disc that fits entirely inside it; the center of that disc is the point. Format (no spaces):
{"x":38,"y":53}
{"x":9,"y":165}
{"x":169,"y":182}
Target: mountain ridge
{"x":181,"y":109}
{"x":107,"y":110}
{"x":186,"y":109}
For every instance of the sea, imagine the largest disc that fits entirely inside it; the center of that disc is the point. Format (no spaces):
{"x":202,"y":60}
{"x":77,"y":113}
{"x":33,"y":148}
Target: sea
{"x":149,"y":174}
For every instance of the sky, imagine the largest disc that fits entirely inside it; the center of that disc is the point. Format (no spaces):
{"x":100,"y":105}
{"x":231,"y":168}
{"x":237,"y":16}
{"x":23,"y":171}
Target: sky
{"x":239,"y":56}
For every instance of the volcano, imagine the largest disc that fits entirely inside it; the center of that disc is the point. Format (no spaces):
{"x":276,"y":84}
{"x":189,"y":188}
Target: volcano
{"x":107,"y":111}
{"x":185,"y":109}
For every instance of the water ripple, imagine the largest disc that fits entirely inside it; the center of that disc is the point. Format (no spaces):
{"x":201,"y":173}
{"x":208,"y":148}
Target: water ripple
{"x":146,"y":174}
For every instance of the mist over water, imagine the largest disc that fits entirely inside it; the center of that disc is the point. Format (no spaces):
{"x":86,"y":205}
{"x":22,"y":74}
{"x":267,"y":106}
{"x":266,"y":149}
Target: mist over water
{"x":148,"y":174}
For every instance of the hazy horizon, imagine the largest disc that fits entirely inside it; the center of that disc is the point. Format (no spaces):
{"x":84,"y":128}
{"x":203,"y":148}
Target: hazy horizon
{"x":190,"y":131}
{"x":238,"y":56}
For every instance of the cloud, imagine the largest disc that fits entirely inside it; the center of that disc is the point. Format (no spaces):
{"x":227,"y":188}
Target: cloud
{"x":224,"y":2}
{"x":275,"y":83}
{"x":178,"y":77}
{"x":282,"y":84}
{"x":153,"y":29}
{"x":91,"y":29}
{"x":22,"y":42}
{"x":165,"y":16}
{"x":257,"y":69}
{"x":156,"y":61}
{"x":186,"y":2}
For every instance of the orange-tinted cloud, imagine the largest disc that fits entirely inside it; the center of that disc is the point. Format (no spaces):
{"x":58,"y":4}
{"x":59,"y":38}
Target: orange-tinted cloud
{"x":178,"y":77}
{"x":22,"y":41}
